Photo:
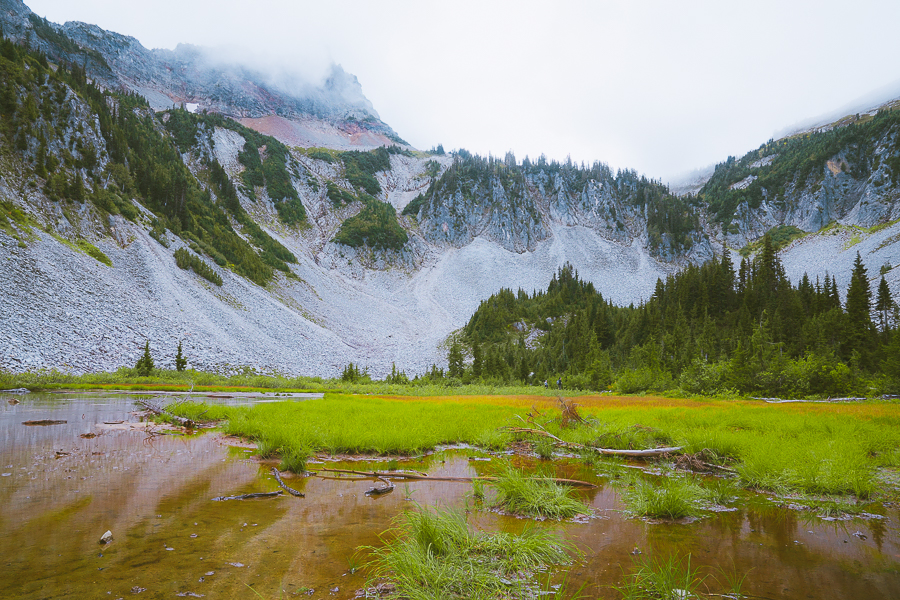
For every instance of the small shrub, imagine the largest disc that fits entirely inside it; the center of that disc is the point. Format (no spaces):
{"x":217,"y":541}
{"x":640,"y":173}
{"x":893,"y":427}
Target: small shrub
{"x":185,"y":260}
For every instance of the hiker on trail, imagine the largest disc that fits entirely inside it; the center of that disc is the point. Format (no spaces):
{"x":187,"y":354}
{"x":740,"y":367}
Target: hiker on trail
{"x":545,"y":384}
{"x":559,"y":384}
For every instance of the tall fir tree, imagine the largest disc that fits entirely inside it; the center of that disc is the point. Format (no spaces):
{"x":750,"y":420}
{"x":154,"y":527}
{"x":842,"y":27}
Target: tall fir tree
{"x":859,"y":303}
{"x":883,"y":305}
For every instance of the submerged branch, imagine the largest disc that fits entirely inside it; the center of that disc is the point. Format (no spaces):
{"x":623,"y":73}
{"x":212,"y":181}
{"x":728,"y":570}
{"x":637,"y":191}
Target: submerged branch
{"x":289,"y":490}
{"x":383,"y":475}
{"x":248,"y":496}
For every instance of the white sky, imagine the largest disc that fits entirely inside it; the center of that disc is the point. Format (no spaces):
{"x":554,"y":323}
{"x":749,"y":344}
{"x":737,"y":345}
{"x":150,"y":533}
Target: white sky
{"x":662,"y":87}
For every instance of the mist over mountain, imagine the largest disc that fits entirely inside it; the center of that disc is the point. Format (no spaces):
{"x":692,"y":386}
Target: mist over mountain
{"x":278,"y":224}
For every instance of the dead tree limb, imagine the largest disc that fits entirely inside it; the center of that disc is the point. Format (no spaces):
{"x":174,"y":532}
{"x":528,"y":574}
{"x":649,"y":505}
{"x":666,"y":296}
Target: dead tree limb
{"x":606,"y":451}
{"x":396,"y":475}
{"x":248,"y":496}
{"x":289,"y":490}
{"x":161,"y":410}
{"x":377,"y":491}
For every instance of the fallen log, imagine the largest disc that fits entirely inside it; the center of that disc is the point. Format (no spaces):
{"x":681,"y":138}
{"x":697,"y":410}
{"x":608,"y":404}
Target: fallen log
{"x":248,"y":496}
{"x":161,"y":410}
{"x":289,"y":490}
{"x":397,"y":475}
{"x":44,"y":422}
{"x":605,"y":451}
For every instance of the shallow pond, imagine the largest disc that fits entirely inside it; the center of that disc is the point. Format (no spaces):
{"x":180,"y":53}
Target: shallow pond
{"x":60,"y":492}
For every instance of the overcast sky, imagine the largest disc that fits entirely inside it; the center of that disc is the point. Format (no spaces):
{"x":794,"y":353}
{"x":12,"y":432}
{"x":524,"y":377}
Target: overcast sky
{"x":661,"y":87}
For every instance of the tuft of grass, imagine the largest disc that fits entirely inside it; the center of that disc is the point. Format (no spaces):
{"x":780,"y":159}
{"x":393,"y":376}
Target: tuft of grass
{"x":94,"y":252}
{"x":544,"y":448}
{"x":535,"y":497}
{"x":434,"y":554}
{"x":669,"y":578}
{"x":720,"y":491}
{"x":294,"y":459}
{"x":671,"y":498}
{"x":478,"y":489}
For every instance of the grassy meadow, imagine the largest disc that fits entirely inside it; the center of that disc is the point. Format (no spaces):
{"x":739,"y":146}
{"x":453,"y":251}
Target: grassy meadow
{"x":811,"y":448}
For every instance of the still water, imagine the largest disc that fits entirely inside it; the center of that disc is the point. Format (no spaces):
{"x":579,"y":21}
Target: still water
{"x":63,"y":485}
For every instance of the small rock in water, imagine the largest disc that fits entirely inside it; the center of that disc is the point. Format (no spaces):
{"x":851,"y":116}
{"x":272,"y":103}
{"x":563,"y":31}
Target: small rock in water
{"x":106,"y":537}
{"x":236,"y":564}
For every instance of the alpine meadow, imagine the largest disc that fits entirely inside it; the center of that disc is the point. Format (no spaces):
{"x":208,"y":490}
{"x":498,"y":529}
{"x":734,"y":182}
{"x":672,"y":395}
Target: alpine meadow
{"x":254,"y":343}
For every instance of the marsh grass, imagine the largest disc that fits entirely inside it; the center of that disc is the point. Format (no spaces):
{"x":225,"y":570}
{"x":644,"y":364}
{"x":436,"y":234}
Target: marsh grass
{"x":434,"y":554}
{"x":670,"y":498}
{"x":294,"y":459}
{"x":824,"y":449}
{"x":669,"y":578}
{"x":531,"y":496}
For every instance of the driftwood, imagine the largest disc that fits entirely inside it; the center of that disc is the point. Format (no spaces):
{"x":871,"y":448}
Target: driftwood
{"x":377,"y":491}
{"x":160,"y":410}
{"x":44,"y":422}
{"x":606,"y":451}
{"x":397,"y":475}
{"x":289,"y":490}
{"x":248,"y":496}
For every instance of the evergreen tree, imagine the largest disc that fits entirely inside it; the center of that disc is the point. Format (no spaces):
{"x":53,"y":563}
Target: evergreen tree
{"x":144,"y":366}
{"x":455,"y":361}
{"x":859,"y":301}
{"x":477,"y":360}
{"x":180,"y":360}
{"x":883,"y":304}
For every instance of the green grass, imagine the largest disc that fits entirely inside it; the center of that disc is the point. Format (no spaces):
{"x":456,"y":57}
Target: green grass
{"x":670,"y":498}
{"x":529,"y":496}
{"x":249,"y":380}
{"x":668,"y":578}
{"x":435,"y":555}
{"x":340,"y":423}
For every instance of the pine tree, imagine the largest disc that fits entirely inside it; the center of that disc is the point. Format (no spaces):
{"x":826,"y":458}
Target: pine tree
{"x":144,"y":365}
{"x":883,"y":305}
{"x":455,"y":360}
{"x":477,"y":360}
{"x":859,"y":301}
{"x":180,"y":360}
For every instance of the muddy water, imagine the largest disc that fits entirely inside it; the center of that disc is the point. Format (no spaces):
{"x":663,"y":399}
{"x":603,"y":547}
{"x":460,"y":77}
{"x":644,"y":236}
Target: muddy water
{"x":60,"y":492}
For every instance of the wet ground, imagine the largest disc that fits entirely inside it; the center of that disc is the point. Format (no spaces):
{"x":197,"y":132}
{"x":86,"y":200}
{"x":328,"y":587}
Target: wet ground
{"x":60,"y":492}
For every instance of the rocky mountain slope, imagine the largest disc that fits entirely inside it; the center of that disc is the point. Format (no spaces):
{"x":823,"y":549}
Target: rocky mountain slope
{"x":334,"y":113}
{"x":121,"y":224}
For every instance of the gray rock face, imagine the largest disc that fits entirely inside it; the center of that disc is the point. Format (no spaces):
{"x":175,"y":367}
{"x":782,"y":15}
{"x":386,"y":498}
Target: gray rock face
{"x":195,"y":75}
{"x":847,"y":193}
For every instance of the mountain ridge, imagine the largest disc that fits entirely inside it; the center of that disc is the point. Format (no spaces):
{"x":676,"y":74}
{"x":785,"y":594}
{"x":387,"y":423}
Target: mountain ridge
{"x":88,"y":172}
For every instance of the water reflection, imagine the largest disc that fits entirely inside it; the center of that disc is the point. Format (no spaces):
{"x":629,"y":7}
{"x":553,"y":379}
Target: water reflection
{"x":60,"y":492}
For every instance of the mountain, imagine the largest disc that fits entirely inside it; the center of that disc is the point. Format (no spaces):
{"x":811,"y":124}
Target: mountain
{"x":125,"y":220}
{"x":332,"y":113}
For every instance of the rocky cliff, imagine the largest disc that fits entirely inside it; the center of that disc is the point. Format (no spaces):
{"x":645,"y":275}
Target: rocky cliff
{"x":120,"y":223}
{"x":333,"y":113}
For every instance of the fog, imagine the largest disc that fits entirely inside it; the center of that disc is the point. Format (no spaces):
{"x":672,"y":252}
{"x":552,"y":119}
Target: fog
{"x":660,"y":87}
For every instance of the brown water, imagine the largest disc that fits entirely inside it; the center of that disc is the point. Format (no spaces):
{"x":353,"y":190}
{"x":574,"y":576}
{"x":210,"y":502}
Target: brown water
{"x":154,"y":493}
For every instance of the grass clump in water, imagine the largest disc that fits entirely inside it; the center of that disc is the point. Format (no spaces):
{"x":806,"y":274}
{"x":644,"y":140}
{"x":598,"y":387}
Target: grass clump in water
{"x":293,"y":459}
{"x":671,"y":578}
{"x":434,"y":554}
{"x":535,"y":496}
{"x":673,"y":498}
